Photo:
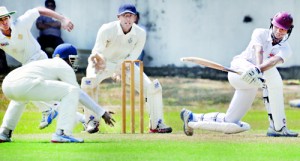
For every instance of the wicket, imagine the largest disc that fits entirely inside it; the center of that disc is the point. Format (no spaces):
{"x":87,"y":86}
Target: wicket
{"x":132,"y":95}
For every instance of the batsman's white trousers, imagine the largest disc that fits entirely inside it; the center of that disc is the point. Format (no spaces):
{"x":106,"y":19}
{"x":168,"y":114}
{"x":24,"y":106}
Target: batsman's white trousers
{"x":245,"y":94}
{"x":23,"y":90}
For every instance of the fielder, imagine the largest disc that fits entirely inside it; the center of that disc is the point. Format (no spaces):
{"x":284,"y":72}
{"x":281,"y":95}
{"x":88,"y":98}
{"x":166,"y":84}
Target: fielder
{"x":16,"y":40}
{"x":118,"y":41}
{"x":267,"y":48}
{"x":48,"y":80}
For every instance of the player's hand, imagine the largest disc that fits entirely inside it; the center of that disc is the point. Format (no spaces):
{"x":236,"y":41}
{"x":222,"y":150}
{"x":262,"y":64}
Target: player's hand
{"x":116,"y":77}
{"x":99,"y":62}
{"x":67,"y":24}
{"x":254,"y":77}
{"x":108,"y":118}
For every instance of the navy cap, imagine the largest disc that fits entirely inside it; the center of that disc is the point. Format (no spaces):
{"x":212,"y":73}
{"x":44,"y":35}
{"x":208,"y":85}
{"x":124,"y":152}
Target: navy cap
{"x":64,"y":50}
{"x":127,"y":8}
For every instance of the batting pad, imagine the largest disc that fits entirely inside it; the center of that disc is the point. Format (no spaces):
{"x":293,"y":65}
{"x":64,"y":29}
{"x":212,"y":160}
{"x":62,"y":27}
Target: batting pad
{"x":224,"y":127}
{"x":155,"y":103}
{"x":295,"y":103}
{"x":90,"y":86}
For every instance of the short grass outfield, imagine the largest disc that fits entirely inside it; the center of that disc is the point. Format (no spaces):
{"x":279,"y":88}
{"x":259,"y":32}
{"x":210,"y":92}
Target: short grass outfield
{"x":199,"y":95}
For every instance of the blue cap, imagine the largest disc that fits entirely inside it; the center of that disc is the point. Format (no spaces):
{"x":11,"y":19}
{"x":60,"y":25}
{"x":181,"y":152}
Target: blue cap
{"x":127,"y":8}
{"x":64,"y":50}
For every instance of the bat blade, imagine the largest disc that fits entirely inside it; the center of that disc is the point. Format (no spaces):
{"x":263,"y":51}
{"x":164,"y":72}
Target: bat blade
{"x":208,"y":63}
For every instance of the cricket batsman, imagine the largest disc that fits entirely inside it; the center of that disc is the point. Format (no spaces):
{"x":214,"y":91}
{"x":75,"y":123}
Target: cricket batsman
{"x":118,"y":41}
{"x":267,"y":49}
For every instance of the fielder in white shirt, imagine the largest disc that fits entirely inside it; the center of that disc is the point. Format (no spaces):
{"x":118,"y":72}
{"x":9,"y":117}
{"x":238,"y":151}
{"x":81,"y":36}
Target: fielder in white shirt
{"x":48,"y":80}
{"x":17,"y":40}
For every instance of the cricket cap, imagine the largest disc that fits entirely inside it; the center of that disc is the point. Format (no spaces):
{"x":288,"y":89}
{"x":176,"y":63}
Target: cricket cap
{"x":127,"y":8}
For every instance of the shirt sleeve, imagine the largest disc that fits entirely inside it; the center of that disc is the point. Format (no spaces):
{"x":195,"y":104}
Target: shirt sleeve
{"x":256,"y":38}
{"x":101,"y":41}
{"x":285,"y":52}
{"x":29,"y":17}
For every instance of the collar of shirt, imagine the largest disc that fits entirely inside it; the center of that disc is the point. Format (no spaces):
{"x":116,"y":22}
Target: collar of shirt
{"x":269,"y":36}
{"x":131,"y":32}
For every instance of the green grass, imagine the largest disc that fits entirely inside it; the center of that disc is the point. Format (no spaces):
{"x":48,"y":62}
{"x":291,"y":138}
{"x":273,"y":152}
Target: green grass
{"x":30,"y":143}
{"x":117,"y":149}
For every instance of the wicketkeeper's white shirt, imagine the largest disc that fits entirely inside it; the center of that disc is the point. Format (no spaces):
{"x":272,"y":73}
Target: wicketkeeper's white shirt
{"x":116,"y":46}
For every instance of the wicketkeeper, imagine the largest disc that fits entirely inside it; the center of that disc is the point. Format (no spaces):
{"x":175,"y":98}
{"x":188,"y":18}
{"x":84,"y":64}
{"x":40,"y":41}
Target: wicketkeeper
{"x":267,"y":49}
{"x":118,"y":41}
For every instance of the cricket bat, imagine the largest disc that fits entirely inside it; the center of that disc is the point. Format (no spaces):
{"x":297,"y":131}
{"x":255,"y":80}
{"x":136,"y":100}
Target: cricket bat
{"x":208,"y":63}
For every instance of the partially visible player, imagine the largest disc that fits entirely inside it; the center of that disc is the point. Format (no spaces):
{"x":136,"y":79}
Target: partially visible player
{"x":50,"y":30}
{"x":118,"y":41}
{"x":48,"y":80}
{"x":17,"y":40}
{"x":267,"y":48}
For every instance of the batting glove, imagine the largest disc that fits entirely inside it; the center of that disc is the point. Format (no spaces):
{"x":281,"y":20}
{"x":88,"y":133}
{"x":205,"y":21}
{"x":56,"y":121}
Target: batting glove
{"x":254,"y":77}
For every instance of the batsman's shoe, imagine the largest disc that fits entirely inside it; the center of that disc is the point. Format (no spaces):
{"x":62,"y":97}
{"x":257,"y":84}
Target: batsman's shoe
{"x":4,"y":138}
{"x":62,"y":138}
{"x":161,"y":128}
{"x":284,"y":132}
{"x":48,"y":117}
{"x":185,"y":116}
{"x":92,"y":125}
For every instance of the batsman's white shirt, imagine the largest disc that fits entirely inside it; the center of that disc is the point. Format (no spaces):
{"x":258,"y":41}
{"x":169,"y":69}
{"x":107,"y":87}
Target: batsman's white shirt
{"x":22,"y":45}
{"x":244,"y":93}
{"x":262,"y":37}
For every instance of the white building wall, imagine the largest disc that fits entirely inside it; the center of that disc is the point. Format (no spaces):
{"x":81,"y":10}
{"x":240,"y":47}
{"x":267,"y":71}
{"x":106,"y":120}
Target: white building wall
{"x":211,"y":29}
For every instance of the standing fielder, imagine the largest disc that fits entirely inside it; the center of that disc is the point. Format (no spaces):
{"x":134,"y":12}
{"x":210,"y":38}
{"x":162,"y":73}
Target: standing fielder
{"x":16,"y":40}
{"x":118,"y":41}
{"x":48,"y":80}
{"x":267,"y":48}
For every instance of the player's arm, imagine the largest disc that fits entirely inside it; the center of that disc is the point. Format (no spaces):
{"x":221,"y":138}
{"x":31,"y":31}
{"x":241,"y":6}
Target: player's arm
{"x":254,"y":74}
{"x":258,"y":50}
{"x":263,"y":66}
{"x":97,"y":59}
{"x":273,"y":61}
{"x":42,"y":26}
{"x":65,"y":22}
